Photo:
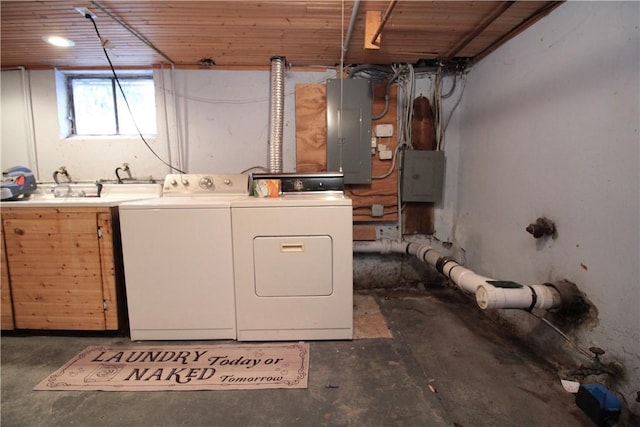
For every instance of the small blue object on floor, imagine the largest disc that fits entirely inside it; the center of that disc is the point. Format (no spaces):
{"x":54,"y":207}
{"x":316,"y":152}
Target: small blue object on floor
{"x":599,"y":403}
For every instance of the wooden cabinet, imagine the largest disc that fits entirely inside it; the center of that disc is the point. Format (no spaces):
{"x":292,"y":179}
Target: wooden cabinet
{"x":6,"y":310}
{"x":61,"y":268}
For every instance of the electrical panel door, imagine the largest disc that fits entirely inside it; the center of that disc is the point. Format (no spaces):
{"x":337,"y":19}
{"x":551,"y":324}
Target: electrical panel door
{"x":349,"y":104}
{"x":423,"y":176}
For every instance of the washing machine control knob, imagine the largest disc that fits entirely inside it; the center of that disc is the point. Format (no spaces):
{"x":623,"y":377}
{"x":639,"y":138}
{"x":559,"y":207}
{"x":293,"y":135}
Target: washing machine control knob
{"x":174,"y":183}
{"x":227,"y":181}
{"x":206,"y":182}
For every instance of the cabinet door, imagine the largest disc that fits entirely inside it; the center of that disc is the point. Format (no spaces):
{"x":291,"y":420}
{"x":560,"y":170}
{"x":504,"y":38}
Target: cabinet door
{"x":107,"y":260}
{"x":56,"y":274}
{"x":6,"y":311}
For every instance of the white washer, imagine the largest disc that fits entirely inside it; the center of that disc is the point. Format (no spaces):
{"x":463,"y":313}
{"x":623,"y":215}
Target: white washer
{"x":293,"y":267}
{"x":177,"y":253}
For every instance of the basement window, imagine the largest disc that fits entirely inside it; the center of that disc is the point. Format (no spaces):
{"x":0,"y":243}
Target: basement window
{"x":96,"y":106}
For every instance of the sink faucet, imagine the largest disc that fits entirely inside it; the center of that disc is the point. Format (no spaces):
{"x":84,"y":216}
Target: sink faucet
{"x":68,"y":191}
{"x":62,"y":171}
{"x":57,"y":193}
{"x":124,"y":168}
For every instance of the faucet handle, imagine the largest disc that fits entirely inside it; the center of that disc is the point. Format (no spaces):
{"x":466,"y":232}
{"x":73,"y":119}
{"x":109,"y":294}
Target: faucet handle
{"x":62,"y":170}
{"x":124,"y":168}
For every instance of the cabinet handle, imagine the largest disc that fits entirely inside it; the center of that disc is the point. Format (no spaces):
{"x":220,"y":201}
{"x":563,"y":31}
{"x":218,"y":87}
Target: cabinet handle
{"x":18,"y":231}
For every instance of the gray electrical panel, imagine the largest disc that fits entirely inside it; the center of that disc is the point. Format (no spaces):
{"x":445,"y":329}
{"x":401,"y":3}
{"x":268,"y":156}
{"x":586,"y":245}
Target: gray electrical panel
{"x":349,"y":104}
{"x":422,"y":176}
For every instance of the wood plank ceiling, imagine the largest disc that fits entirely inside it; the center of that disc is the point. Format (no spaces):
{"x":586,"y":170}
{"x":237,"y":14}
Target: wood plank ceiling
{"x":248,"y":33}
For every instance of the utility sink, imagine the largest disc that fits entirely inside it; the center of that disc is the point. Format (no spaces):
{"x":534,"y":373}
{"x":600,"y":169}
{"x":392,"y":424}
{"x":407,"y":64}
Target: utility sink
{"x":87,"y":194}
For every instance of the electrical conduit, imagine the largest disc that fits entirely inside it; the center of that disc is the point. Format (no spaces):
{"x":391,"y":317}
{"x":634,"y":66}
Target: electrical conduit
{"x":352,"y":23}
{"x":487,"y":295}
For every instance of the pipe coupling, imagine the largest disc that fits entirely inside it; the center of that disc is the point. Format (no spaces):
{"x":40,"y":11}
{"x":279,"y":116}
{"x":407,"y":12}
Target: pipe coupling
{"x":542,"y":227}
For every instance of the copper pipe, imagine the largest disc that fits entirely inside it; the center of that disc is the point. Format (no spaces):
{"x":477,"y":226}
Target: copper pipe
{"x":385,"y":17}
{"x":480,"y":28}
{"x":539,"y":14}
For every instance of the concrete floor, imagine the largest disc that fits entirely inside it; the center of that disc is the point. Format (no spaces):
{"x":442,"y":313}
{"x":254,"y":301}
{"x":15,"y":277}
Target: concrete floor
{"x":478,"y":377}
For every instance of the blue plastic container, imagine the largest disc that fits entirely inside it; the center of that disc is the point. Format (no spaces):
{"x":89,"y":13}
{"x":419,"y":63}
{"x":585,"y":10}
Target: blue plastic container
{"x":599,"y":403}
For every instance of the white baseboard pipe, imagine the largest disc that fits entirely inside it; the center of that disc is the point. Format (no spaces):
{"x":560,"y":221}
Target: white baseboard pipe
{"x":502,"y":295}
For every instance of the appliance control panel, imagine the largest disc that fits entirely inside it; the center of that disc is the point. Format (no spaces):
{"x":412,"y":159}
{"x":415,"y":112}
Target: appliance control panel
{"x":302,"y":183}
{"x":205,"y":184}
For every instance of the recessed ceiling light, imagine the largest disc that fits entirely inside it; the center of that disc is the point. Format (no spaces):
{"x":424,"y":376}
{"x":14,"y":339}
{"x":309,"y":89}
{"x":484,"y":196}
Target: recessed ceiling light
{"x":59,"y":41}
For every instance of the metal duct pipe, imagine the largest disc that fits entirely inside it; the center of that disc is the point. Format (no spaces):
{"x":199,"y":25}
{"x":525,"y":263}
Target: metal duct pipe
{"x":502,"y":295}
{"x":276,"y":118}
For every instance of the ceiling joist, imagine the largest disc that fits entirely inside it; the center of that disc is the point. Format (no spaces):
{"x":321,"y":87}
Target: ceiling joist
{"x":243,"y":33}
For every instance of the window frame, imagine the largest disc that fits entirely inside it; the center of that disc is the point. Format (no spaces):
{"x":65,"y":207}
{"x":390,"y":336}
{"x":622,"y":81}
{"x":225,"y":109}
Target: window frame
{"x":68,"y":82}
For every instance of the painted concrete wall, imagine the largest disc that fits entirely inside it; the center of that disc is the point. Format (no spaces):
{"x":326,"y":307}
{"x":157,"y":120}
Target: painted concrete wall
{"x":224,"y":116}
{"x":87,"y":159}
{"x":549,"y":127}
{"x":208,"y":121}
{"x":15,"y":121}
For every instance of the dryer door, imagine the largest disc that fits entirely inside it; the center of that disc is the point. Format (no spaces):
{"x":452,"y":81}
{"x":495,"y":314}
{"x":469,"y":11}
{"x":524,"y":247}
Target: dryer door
{"x":287,"y":266}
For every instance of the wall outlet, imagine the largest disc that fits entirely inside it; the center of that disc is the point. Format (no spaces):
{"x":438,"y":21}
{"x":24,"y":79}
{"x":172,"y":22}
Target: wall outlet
{"x":377,"y":210}
{"x":384,"y":131}
{"x":385,"y":155}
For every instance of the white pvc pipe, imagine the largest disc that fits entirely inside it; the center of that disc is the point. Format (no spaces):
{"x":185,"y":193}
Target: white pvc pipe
{"x":487,"y":295}
{"x":534,"y":296}
{"x":467,"y":279}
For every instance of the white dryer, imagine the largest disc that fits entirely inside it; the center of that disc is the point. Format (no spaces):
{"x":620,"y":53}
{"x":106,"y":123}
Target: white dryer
{"x":293,"y":264}
{"x":177,"y":253}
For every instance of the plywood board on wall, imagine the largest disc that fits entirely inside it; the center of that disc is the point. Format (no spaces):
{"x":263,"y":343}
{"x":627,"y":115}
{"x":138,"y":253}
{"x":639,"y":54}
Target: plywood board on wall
{"x":311,"y":128}
{"x":311,"y":149}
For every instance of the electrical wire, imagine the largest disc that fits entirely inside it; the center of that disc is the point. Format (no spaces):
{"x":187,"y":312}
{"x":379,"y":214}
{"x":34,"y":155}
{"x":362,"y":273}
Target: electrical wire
{"x":386,"y":93}
{"x":262,"y":168}
{"x":563,"y":335}
{"x":405,"y":76}
{"x":437,"y":108}
{"x":406,"y":82}
{"x":453,"y":88}
{"x":115,"y":76}
{"x":455,"y":106}
{"x":393,"y":165}
{"x":440,"y":123}
{"x":362,"y":194}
